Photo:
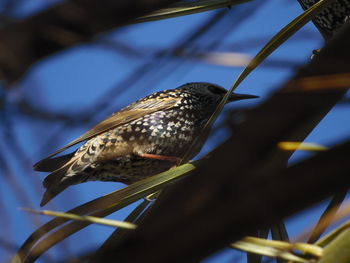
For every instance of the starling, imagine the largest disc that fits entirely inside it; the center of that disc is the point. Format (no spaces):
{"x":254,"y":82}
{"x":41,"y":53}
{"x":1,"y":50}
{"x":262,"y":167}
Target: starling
{"x":330,"y":19}
{"x":147,"y":137}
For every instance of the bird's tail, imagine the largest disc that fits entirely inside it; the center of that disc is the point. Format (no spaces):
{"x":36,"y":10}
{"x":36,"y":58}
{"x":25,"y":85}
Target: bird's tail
{"x":58,"y":166}
{"x":53,"y":184}
{"x":52,"y":164}
{"x":57,"y":181}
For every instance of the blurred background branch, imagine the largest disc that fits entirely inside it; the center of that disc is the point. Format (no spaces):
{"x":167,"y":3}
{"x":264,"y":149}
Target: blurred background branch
{"x":69,"y":23}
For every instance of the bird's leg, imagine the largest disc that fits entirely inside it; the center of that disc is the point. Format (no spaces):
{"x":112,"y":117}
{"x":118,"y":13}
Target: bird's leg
{"x":173,"y":159}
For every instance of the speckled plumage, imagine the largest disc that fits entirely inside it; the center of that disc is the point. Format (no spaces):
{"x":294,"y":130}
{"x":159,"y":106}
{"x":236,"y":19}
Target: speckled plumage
{"x":330,"y":19}
{"x":142,"y":139}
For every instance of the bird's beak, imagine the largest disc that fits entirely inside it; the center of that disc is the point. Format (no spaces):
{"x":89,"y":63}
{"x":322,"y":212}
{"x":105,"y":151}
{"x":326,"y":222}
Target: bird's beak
{"x":237,"y":96}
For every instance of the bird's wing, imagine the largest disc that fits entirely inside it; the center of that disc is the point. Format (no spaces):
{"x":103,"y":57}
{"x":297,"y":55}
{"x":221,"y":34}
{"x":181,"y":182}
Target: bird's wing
{"x":128,"y":114}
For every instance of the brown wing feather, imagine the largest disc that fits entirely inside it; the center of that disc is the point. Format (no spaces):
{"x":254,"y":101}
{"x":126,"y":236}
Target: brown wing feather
{"x":128,"y":114}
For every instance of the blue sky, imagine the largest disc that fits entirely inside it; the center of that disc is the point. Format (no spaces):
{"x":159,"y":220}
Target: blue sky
{"x":71,"y":81}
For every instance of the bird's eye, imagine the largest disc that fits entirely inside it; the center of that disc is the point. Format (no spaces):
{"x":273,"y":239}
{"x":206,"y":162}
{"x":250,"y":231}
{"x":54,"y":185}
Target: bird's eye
{"x":216,"y":90}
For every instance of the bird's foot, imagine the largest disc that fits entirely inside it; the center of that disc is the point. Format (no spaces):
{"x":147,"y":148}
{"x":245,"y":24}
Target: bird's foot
{"x":173,"y":159}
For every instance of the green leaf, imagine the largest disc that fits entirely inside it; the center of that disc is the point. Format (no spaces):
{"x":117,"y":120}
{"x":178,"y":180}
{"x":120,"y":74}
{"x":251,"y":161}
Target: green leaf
{"x":301,"y":146}
{"x":338,"y":249}
{"x":43,"y":238}
{"x":89,"y":219}
{"x":115,"y":238}
{"x":277,"y":249}
{"x":187,"y":8}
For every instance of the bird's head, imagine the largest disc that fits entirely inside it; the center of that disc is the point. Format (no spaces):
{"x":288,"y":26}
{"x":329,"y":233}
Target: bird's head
{"x":213,"y":93}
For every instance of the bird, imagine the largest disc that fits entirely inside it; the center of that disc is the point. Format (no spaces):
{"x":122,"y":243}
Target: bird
{"x":332,"y":18}
{"x":146,"y":137}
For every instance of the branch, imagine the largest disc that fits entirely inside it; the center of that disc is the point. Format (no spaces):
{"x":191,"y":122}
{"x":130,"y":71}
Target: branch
{"x":64,"y":25}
